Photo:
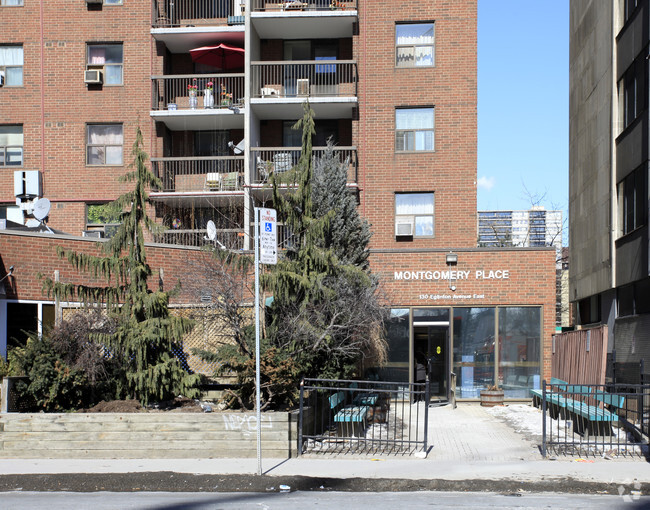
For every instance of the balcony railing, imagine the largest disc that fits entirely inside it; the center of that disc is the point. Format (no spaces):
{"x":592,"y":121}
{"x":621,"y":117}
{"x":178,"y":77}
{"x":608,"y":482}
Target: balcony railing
{"x":195,"y":174}
{"x":304,"y":5}
{"x":171,"y":90}
{"x":266,"y":160}
{"x":303,"y":78}
{"x":174,"y":13}
{"x":230,"y":238}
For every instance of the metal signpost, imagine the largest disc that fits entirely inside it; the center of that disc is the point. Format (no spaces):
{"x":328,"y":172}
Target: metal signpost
{"x":266,"y":252}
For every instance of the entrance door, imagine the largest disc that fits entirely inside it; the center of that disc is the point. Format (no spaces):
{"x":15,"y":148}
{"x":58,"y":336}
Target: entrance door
{"x":431,"y":351}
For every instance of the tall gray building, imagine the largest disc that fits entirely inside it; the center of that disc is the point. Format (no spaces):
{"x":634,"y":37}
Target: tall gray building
{"x":608,"y":183}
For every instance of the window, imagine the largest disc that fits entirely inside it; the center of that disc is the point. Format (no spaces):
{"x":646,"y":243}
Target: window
{"x":10,"y":3}
{"x":108,"y":57}
{"x":633,"y":201}
{"x":112,"y":2}
{"x":414,"y":129}
{"x":414,"y":214}
{"x":11,"y":146}
{"x":11,"y":66}
{"x":104,"y":144}
{"x":632,"y":93}
{"x":414,"y":45}
{"x":103,"y":218}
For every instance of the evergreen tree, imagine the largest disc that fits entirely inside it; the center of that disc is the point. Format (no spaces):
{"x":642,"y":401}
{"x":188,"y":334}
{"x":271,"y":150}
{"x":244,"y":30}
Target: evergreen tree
{"x":348,"y":234}
{"x":146,"y":336}
{"x":325,"y":312}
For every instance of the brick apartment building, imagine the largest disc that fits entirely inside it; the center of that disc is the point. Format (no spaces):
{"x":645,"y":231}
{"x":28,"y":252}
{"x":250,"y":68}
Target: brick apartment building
{"x":394,"y":88}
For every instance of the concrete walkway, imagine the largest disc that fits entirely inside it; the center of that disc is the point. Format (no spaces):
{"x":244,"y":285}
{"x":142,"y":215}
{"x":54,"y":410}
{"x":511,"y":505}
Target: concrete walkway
{"x":468,"y":443}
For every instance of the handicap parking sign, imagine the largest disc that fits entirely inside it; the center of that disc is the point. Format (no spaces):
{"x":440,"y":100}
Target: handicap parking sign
{"x":268,"y":226}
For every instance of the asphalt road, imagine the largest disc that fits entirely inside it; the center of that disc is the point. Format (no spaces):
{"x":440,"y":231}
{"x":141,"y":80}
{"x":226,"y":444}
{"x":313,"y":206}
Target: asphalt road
{"x":318,"y":500}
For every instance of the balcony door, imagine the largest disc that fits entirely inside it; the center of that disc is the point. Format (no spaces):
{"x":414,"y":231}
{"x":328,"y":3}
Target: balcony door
{"x":320,"y":78}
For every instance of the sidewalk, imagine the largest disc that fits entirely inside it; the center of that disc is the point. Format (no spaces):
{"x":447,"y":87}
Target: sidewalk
{"x":467,"y":444}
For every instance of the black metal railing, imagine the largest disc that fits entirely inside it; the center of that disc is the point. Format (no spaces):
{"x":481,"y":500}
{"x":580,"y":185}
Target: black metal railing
{"x":267,"y":160}
{"x":304,"y":78}
{"x":175,"y":13}
{"x":289,"y":6}
{"x":339,"y":416}
{"x":594,"y":420}
{"x":177,"y":92}
{"x":197,"y":174}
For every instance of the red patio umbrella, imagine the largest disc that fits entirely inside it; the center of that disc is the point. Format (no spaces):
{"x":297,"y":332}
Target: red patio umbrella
{"x":222,"y":56}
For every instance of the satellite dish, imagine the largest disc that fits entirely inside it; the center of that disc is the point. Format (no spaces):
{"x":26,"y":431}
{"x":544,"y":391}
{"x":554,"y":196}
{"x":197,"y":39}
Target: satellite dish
{"x":239,"y":148}
{"x":41,"y":209}
{"x":212,"y":234}
{"x":212,"y":230}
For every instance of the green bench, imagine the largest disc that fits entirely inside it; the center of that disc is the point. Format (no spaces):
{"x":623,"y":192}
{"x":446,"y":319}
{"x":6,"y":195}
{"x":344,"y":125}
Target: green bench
{"x":587,"y":419}
{"x":351,"y":419}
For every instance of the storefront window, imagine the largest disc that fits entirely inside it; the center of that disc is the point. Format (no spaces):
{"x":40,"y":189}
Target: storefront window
{"x":519,"y":350}
{"x":473,"y":350}
{"x":397,"y":337}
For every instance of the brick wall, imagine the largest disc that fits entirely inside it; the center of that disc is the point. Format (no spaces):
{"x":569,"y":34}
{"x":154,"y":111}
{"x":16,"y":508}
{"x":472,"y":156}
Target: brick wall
{"x":530,"y":281}
{"x":450,"y":86}
{"x":54,"y":105}
{"x":179,"y":265}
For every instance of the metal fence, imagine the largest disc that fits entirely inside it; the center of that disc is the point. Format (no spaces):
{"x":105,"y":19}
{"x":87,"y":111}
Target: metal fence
{"x":177,"y":92}
{"x":339,"y":416}
{"x":303,"y":5}
{"x":303,"y":78}
{"x":174,"y":13}
{"x":207,"y":173}
{"x":267,"y":160}
{"x":595,"y":419}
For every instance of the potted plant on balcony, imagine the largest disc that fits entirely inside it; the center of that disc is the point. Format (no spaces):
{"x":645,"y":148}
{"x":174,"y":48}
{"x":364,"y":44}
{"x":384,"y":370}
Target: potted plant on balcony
{"x":208,"y":98}
{"x":492,"y":396}
{"x":191,"y":91}
{"x":226,"y":97}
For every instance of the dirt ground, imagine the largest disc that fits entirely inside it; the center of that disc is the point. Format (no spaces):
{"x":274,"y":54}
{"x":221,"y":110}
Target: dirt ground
{"x":178,"y":405}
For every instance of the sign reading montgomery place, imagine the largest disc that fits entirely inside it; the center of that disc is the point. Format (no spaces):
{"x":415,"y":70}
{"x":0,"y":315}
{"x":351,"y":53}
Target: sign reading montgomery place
{"x":479,"y":274}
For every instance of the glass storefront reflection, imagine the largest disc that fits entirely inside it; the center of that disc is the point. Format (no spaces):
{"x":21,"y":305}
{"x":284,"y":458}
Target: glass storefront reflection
{"x":473,"y":350}
{"x":519,"y":350}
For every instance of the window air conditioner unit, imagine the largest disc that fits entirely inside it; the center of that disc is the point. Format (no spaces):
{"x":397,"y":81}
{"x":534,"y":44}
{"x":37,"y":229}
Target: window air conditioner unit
{"x":404,"y":226}
{"x":93,"y":76}
{"x":93,"y":233}
{"x":303,"y":87}
{"x":94,"y":1}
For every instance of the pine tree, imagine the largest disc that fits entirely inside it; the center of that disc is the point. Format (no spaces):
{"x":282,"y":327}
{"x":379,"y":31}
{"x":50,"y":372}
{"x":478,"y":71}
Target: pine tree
{"x":325,"y":312}
{"x":348,"y":234}
{"x":146,"y":336}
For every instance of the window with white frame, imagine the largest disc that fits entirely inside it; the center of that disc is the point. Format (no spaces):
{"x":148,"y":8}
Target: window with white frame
{"x":112,"y":2}
{"x":11,"y":146}
{"x":11,"y":3}
{"x":104,"y":144}
{"x":11,"y":65}
{"x":414,"y":215}
{"x":414,"y":129}
{"x":414,"y":45}
{"x":109,"y":58}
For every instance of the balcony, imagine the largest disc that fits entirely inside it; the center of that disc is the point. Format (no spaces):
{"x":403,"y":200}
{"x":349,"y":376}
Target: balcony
{"x":268,"y":160}
{"x":171,"y":102}
{"x":278,"y":89}
{"x":216,"y":179}
{"x":308,"y":19}
{"x":178,"y":13}
{"x":230,"y":238}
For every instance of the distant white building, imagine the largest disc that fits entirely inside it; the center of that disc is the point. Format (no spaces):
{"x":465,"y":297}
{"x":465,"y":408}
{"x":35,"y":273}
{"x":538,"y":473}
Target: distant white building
{"x":535,"y":227}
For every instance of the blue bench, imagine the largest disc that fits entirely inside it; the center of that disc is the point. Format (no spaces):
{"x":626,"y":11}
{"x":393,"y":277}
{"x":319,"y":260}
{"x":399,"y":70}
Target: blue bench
{"x":351,"y":419}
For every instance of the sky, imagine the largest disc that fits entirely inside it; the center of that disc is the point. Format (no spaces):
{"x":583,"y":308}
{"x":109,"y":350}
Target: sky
{"x":523,"y":104}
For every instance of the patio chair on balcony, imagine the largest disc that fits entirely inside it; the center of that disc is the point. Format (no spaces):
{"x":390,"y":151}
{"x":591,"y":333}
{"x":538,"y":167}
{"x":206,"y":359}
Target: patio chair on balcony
{"x":213,"y":181}
{"x":264,"y":169}
{"x":230,"y":181}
